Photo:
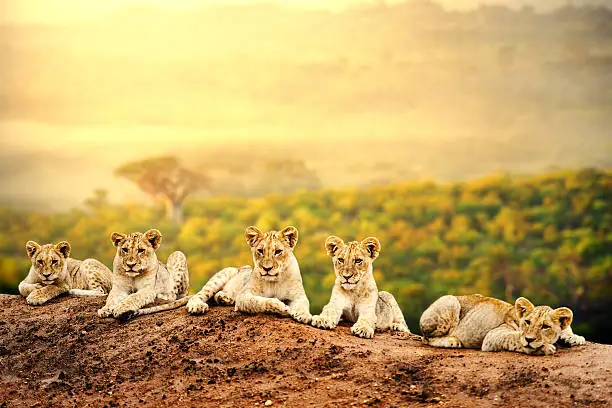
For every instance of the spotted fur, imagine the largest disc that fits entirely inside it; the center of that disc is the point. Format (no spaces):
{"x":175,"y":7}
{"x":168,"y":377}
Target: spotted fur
{"x":491,"y":324}
{"x":53,"y":273}
{"x":355,"y":296}
{"x":140,"y":279}
{"x":264,"y":288}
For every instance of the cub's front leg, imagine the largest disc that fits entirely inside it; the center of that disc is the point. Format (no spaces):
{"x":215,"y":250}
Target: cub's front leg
{"x":26,"y":288}
{"x":115,"y":296}
{"x":29,"y":284}
{"x":366,"y":322}
{"x":331,"y":313}
{"x":128,"y":306}
{"x":46,"y":293}
{"x":248,"y":302}
{"x":569,"y":338}
{"x":507,"y":338}
{"x":299,"y":309}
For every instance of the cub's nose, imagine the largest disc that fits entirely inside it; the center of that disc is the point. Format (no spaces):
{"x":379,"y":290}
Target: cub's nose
{"x":130,"y":264}
{"x":268,"y":269}
{"x":529,"y":339}
{"x":46,"y":274}
{"x":346,"y":276}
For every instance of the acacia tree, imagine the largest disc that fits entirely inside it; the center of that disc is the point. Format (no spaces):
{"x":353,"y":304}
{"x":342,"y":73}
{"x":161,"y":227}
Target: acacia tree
{"x":165,"y":179}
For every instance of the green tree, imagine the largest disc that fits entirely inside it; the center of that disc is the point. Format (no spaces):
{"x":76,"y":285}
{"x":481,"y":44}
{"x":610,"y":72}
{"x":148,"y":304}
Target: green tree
{"x":165,"y":179}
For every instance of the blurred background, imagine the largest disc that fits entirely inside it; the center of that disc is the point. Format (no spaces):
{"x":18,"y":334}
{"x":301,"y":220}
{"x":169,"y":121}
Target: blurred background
{"x":473,"y":138}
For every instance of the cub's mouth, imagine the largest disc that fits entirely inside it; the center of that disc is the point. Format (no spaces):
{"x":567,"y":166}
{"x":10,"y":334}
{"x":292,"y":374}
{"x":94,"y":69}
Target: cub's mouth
{"x":131,"y":273}
{"x":534,"y":345}
{"x":348,"y":285}
{"x":269,"y":273}
{"x":268,"y":276}
{"x":48,"y":281}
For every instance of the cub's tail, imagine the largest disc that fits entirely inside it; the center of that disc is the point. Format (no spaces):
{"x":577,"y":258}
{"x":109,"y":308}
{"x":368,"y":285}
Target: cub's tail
{"x":154,"y":309}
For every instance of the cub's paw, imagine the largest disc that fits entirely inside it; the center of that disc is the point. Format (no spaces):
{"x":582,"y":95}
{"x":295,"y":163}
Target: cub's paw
{"x":36,"y":298}
{"x":105,"y":312}
{"x":196,"y":306}
{"x":400,"y":327}
{"x":574,"y":340}
{"x":222,"y":299}
{"x":363,"y":331}
{"x":548,"y":349}
{"x":301,"y":316}
{"x":124,"y":312}
{"x":322,"y":322}
{"x":276,"y":306}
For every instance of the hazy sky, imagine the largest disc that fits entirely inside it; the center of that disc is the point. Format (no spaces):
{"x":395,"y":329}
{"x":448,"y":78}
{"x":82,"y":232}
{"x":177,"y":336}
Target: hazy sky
{"x":60,"y":11}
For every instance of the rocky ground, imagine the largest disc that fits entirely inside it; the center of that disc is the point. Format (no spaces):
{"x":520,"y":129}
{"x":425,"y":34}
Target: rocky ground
{"x":62,"y":354}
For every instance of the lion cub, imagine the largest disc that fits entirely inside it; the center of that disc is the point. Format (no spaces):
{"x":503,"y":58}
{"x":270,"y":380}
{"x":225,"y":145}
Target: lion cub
{"x":355,"y":296}
{"x":476,"y":321}
{"x":140,"y":279}
{"x":274,"y":279}
{"x":53,"y":272}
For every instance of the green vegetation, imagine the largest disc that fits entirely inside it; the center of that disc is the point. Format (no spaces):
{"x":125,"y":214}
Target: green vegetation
{"x":546,"y":237}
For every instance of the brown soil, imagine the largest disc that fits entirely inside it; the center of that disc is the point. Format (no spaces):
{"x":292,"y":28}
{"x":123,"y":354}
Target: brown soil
{"x":62,"y":354}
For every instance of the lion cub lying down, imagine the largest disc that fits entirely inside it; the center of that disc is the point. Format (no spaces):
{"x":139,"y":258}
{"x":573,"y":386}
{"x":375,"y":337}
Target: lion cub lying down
{"x":140,"y":279}
{"x":355,"y":296}
{"x":264,"y":288}
{"x":53,"y":272}
{"x":476,"y":321}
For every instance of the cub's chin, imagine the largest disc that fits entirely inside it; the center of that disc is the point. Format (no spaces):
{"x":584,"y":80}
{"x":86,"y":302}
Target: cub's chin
{"x":349,"y":286}
{"x":132,"y":273}
{"x":269,"y":278}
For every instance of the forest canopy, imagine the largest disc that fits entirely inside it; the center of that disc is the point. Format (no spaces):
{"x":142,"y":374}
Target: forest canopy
{"x":546,"y":237}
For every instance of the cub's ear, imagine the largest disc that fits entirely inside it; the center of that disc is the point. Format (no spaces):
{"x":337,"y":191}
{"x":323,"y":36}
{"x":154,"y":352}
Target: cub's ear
{"x":564,"y":315}
{"x":523,"y":307}
{"x":252,"y":235}
{"x":372,"y":245}
{"x":154,"y":237}
{"x":116,"y":238}
{"x":290,"y":234}
{"x":32,"y":248}
{"x":332,"y":244}
{"x":63,"y":248}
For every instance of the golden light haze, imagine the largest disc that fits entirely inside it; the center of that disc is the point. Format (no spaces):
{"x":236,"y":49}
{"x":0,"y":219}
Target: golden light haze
{"x":361,"y":93}
{"x":53,"y":11}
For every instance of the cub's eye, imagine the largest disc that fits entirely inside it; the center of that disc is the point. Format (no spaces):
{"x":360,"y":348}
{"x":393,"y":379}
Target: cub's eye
{"x":527,"y":322}
{"x":340,"y":260}
{"x":54,"y":262}
{"x":141,"y":250}
{"x":40,"y":262}
{"x":260,"y":251}
{"x":124,"y":250}
{"x":278,"y":252}
{"x":545,"y":326}
{"x":358,"y":261}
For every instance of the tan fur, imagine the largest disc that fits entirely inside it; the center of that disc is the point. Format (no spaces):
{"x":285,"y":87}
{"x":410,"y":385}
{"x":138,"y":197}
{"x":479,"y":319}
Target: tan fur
{"x":140,"y":279}
{"x":355,"y":296}
{"x":491,"y":324}
{"x":53,"y":273}
{"x":274,"y":279}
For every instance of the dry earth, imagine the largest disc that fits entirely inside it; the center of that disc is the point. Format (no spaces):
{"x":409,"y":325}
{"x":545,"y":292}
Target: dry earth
{"x":62,"y":354}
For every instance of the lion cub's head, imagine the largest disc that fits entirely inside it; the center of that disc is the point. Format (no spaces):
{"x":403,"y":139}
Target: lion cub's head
{"x":272,"y":251}
{"x":540,"y":326}
{"x":353,"y":260}
{"x":136,"y":251}
{"x":48,"y":260}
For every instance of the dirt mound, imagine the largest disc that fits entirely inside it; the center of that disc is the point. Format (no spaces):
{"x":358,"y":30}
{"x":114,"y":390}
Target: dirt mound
{"x":62,"y":354}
